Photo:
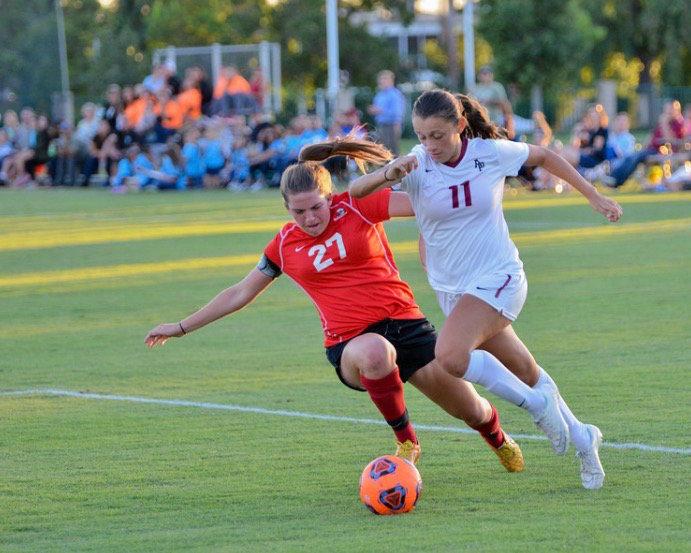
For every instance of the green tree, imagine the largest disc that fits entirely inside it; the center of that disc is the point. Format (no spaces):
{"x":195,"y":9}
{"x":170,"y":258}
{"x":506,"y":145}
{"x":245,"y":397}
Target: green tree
{"x":29,"y":61}
{"x":540,"y":44}
{"x":656,"y":32}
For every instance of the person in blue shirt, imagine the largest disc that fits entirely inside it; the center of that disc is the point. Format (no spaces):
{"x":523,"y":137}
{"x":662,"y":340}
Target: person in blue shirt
{"x":212,"y":152}
{"x":194,"y":161}
{"x":125,"y":170}
{"x":388,"y":109}
{"x":172,"y":169}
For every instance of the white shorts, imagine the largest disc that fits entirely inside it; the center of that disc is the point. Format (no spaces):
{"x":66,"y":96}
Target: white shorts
{"x":505,"y":293}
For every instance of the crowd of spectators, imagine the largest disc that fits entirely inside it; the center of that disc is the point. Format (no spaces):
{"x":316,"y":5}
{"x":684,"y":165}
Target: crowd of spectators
{"x":168,"y":133}
{"x":610,"y":154}
{"x":159,"y":134}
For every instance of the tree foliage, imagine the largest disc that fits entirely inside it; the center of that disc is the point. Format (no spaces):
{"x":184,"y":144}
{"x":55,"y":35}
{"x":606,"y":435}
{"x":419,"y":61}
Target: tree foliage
{"x":650,"y":31}
{"x":542,"y":42}
{"x":29,"y":60}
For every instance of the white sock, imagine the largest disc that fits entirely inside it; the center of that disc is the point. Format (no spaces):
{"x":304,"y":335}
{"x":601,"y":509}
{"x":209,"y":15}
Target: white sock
{"x":580,"y":437}
{"x":487,"y":371}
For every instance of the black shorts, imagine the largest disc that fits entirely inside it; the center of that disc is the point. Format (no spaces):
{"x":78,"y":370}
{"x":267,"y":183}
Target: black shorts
{"x":413,"y":339}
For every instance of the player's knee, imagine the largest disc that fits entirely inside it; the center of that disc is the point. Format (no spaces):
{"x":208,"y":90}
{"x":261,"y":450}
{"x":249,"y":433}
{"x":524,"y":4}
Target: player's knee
{"x":374,"y":356}
{"x":453,"y":361}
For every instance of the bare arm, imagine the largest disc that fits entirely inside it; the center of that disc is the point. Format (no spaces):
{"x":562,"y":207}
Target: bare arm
{"x":508,"y":119}
{"x":400,"y":206}
{"x":388,"y":175}
{"x":561,"y":168}
{"x":228,"y":301}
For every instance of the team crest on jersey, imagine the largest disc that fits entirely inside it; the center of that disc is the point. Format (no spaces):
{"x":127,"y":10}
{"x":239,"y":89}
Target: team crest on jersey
{"x":479,"y":164}
{"x":340,"y":212}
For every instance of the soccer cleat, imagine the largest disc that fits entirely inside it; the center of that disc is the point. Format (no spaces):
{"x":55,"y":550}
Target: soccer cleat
{"x":592,"y":473}
{"x":510,"y":455}
{"x":553,"y":425}
{"x":408,"y":450}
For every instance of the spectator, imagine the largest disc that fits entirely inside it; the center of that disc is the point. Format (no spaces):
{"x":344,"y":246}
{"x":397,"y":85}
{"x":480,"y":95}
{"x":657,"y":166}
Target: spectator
{"x":200,"y":81}
{"x":620,"y":141}
{"x":193,"y":159}
{"x":172,"y":169}
{"x":170,"y":115}
{"x":230,"y":81}
{"x":157,"y":80}
{"x":388,"y":109}
{"x":669,"y":131}
{"x":190,"y":101}
{"x":589,"y":144}
{"x":6,"y":151}
{"x":10,"y":124}
{"x":670,"y":127}
{"x":240,"y":165}
{"x":212,"y":153}
{"x":41,"y":149}
{"x":85,"y":132}
{"x":536,"y":176}
{"x":258,"y":88}
{"x":128,"y":96}
{"x":112,"y":107}
{"x":492,"y":95}
{"x":14,"y":168}
{"x":63,"y":165}
{"x":103,"y":153}
{"x":266,"y":155}
{"x":125,"y":176}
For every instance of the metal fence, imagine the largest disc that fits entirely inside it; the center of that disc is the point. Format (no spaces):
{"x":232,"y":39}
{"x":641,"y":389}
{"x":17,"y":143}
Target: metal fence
{"x":265,"y":55}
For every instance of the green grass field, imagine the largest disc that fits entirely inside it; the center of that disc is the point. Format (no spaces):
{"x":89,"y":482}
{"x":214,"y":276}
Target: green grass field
{"x":86,"y":274}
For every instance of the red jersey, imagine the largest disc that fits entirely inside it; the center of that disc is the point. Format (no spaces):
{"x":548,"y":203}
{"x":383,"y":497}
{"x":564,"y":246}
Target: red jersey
{"x":348,"y":271}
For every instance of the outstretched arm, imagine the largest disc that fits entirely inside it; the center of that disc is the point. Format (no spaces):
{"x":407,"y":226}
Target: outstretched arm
{"x":388,"y":175}
{"x":230,"y":300}
{"x":561,"y":168}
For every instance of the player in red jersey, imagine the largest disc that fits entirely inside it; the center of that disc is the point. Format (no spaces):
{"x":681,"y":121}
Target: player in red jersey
{"x":376,"y":337}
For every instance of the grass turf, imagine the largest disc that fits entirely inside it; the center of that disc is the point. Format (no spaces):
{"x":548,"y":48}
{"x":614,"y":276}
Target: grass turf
{"x":607,"y":315}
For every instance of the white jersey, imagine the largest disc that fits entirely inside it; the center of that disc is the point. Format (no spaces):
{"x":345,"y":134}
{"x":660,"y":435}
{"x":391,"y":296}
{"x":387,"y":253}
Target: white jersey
{"x":459,"y":212}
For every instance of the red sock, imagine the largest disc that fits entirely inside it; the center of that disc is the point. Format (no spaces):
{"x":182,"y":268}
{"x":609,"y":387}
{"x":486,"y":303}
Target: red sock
{"x":491,"y":430}
{"x":387,"y":395}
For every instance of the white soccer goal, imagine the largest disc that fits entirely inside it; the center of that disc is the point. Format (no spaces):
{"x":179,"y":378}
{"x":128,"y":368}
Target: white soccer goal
{"x":246,"y":57}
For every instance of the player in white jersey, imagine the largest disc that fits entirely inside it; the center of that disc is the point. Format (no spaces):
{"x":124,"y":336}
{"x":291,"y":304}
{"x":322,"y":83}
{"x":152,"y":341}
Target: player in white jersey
{"x":455,"y":180}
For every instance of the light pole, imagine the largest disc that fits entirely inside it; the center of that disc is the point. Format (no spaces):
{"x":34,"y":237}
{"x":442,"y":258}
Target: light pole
{"x":468,"y":45}
{"x":68,"y":112}
{"x":333,"y":80}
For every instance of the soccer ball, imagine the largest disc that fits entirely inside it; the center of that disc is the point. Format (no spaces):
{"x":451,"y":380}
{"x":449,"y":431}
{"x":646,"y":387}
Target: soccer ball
{"x":390,"y":485}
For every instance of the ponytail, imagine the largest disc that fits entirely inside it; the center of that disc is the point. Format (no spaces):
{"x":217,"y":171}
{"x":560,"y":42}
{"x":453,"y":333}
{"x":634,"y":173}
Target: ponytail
{"x":309,"y":174}
{"x":479,"y":124}
{"x":360,"y":150}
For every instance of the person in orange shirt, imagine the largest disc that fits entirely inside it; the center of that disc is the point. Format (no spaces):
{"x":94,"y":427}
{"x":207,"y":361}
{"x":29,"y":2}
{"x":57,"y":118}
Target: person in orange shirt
{"x":230,"y":81}
{"x":190,"y":100}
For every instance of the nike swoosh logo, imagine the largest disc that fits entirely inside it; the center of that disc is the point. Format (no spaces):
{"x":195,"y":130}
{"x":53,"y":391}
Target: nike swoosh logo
{"x":488,"y":289}
{"x":299,"y":248}
{"x":428,"y":170}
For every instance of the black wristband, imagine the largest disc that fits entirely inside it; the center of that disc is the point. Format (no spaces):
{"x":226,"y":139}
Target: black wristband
{"x":182,"y":328}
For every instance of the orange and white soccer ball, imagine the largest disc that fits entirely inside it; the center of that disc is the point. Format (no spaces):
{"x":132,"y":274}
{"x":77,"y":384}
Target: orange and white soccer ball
{"x":390,"y":485}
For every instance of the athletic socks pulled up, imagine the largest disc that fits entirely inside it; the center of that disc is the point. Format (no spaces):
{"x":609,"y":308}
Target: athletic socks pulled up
{"x":387,"y":395}
{"x":491,"y":430}
{"x":487,"y":371}
{"x":578,"y":432}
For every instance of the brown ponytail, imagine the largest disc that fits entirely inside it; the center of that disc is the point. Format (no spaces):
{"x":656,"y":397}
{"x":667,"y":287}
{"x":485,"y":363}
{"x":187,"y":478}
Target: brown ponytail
{"x":454,"y":107}
{"x":308,"y":174}
{"x":479,"y":124}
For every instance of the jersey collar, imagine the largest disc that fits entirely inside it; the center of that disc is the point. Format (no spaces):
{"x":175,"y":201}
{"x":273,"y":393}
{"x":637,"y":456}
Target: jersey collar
{"x":464,"y":146}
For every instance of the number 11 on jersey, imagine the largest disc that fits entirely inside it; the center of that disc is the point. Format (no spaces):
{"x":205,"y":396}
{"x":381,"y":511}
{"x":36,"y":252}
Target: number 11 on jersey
{"x":466,"y":195}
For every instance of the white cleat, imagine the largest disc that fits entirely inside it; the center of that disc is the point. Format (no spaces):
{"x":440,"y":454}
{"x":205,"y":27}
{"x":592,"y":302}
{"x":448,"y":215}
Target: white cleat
{"x":551,"y":422}
{"x":592,"y":473}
